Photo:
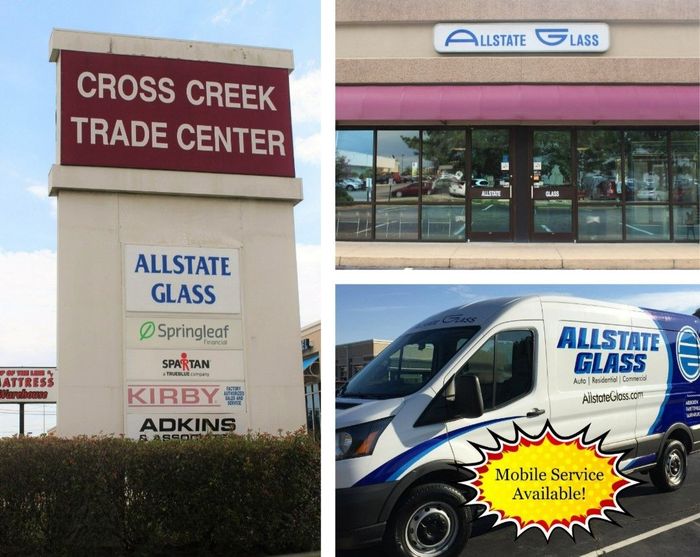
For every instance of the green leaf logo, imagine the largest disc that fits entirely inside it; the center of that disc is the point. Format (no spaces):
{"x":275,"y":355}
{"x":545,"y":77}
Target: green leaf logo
{"x":147,"y":330}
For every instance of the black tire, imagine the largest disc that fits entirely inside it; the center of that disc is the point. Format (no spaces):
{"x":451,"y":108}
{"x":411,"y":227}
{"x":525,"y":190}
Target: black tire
{"x":349,"y":188}
{"x":671,"y":468}
{"x":441,"y":523}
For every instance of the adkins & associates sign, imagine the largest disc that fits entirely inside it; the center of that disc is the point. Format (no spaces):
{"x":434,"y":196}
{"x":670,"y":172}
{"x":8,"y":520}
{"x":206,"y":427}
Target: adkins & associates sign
{"x":159,"y":113}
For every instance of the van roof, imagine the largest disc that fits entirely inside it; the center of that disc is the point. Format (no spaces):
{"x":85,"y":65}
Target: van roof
{"x":482,"y":312}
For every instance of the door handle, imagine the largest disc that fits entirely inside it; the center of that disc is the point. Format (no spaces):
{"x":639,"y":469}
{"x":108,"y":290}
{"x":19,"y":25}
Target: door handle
{"x":534,"y":413}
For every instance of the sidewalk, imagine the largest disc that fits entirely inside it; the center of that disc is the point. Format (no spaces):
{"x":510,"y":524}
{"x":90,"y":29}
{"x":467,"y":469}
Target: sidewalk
{"x":496,"y":255}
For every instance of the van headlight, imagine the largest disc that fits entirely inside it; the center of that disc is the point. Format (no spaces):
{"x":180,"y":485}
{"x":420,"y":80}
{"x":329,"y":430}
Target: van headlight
{"x":358,"y":440}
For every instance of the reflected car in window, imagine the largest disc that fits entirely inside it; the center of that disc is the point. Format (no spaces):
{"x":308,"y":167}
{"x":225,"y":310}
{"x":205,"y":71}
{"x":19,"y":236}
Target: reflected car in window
{"x":411,"y":190}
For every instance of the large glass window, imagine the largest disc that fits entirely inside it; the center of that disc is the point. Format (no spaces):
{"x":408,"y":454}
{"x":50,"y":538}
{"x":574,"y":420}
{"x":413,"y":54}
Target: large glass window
{"x":490,"y":215}
{"x":553,"y":216}
{"x":600,"y":223}
{"x":490,"y":158}
{"x":397,"y":222}
{"x":685,"y":223}
{"x":354,"y":151}
{"x":646,"y":176}
{"x":551,"y":164}
{"x":440,"y":223}
{"x":443,"y":165}
{"x":647,"y":222}
{"x":503,"y":365}
{"x":599,"y":165}
{"x":398,"y":171}
{"x":685,"y":151}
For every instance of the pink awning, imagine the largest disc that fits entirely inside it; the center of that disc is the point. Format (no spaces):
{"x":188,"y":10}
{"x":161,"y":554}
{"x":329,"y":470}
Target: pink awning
{"x":501,"y":103}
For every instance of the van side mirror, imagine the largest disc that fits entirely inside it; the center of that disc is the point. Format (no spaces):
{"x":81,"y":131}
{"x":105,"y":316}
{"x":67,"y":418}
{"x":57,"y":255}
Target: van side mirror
{"x":468,"y":400}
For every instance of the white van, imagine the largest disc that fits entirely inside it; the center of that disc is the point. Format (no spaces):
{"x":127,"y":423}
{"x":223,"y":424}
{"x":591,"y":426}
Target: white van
{"x":403,"y":422}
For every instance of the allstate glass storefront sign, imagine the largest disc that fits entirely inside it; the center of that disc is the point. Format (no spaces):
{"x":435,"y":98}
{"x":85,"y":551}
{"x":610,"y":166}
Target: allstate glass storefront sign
{"x":521,"y":37}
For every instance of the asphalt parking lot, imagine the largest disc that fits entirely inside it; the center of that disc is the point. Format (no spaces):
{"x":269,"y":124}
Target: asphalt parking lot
{"x":651,"y":513}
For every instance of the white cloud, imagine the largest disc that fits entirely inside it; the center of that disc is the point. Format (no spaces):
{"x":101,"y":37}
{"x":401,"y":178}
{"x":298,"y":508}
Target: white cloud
{"x":28,"y":302}
{"x":41,"y":191}
{"x":308,"y":149}
{"x":679,"y":301}
{"x":309,"y":276}
{"x":305,"y":91}
{"x":225,"y":14}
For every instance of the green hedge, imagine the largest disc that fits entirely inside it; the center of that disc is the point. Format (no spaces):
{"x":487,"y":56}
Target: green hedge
{"x":233,"y":495}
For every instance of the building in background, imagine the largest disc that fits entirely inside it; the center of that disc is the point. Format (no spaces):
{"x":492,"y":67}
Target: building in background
{"x":352,"y":357}
{"x":311,"y":366}
{"x":524,"y":121}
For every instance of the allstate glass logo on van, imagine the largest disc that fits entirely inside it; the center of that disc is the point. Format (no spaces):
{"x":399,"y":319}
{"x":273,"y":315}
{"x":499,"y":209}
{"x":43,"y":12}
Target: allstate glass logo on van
{"x":688,"y":353}
{"x":521,"y":37}
{"x":608,"y":350}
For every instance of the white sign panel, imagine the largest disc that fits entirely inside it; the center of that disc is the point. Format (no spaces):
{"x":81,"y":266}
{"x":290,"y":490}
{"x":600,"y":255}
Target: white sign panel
{"x":170,"y":332}
{"x":521,"y":37}
{"x":179,"y":365}
{"x":182,"y":279}
{"x":28,"y":384}
{"x":183,"y":426}
{"x":178,"y":398}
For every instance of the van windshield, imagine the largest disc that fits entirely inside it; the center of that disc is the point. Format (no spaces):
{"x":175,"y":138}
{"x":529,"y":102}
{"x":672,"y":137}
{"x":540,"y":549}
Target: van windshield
{"x":408,"y":363}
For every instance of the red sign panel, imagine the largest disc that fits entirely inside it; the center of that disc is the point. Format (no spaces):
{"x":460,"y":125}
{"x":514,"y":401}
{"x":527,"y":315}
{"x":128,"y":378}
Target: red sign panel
{"x":166,"y":114}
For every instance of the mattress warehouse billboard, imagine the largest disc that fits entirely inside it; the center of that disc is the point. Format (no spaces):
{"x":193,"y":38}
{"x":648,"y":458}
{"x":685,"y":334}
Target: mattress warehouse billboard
{"x":175,"y":160}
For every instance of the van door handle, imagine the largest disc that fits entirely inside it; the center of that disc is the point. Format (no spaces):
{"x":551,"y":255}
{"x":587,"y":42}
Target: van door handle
{"x":534,"y":413}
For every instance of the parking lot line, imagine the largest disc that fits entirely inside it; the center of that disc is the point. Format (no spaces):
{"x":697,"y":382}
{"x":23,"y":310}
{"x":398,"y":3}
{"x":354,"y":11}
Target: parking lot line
{"x":640,"y":537}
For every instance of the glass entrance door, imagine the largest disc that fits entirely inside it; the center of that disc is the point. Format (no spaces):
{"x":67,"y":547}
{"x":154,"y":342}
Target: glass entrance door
{"x":552,"y":189}
{"x":489,"y":188}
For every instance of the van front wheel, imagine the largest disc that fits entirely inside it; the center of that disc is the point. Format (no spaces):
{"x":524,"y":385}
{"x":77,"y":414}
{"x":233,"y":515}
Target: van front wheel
{"x":432,"y":521}
{"x":670,"y":470}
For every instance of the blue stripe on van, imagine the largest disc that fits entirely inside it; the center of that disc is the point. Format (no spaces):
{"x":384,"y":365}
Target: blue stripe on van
{"x":392,"y":469}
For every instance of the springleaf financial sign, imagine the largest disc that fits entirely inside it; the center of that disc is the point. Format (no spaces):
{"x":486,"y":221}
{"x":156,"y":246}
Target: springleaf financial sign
{"x":182,"y":279}
{"x":521,"y":37}
{"x":167,"y":114}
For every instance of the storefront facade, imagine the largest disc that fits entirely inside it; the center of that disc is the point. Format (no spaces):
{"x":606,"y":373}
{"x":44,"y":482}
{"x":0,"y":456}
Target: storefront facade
{"x":591,"y":146}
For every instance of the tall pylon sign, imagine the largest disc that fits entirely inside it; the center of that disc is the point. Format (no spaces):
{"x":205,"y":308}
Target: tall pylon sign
{"x":177,"y":289}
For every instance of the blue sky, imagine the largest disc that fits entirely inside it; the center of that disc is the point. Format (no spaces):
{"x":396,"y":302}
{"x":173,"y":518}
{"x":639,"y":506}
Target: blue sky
{"x":385,"y":311}
{"x":27,"y":89}
{"x":27,"y":144}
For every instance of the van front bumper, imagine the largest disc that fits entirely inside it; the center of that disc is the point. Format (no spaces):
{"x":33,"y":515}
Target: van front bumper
{"x":357,"y":514}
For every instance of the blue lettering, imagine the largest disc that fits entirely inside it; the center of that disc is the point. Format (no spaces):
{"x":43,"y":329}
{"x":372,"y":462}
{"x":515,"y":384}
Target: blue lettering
{"x":608,"y":340}
{"x":583,"y":362}
{"x":595,"y":366}
{"x":157,"y":293}
{"x":582,"y":332}
{"x":141,"y":264}
{"x":611,"y":364}
{"x":635,"y":342}
{"x":567,"y":338}
{"x":655,"y":342}
{"x":640,"y":361}
{"x":184,"y":295}
{"x":595,"y":343}
{"x":626,"y":362}
{"x":177,"y":262}
{"x":595,"y":40}
{"x":461,"y":36}
{"x":211,"y":297}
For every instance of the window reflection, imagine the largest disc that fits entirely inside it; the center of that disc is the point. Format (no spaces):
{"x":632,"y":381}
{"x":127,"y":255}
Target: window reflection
{"x":647,"y":167}
{"x":444,"y":165}
{"x":599,"y":165}
{"x":353,"y":166}
{"x":398,"y":177}
{"x":551,"y":163}
{"x":490,"y":158}
{"x":684,"y":158}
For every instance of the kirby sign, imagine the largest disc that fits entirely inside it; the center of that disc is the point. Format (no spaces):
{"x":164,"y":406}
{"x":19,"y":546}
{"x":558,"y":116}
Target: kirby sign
{"x":521,"y":37}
